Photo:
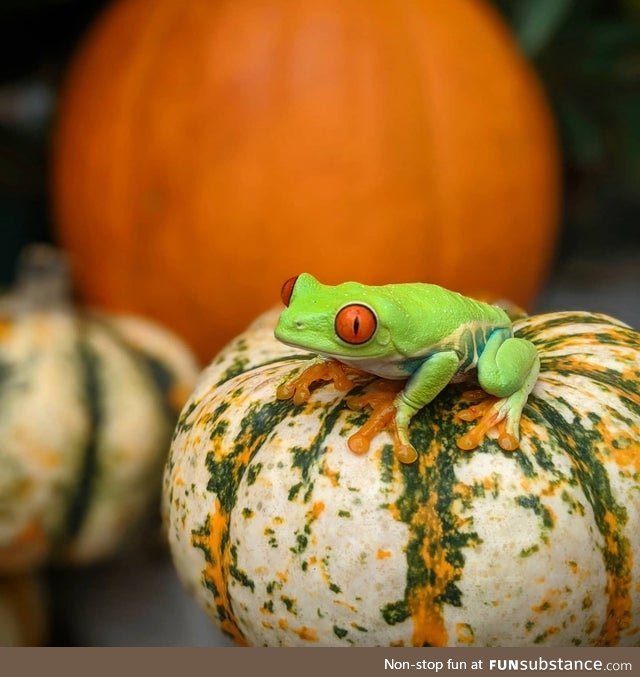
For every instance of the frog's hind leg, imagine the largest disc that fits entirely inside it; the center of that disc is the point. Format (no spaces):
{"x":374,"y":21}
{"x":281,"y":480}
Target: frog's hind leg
{"x":508,"y":368}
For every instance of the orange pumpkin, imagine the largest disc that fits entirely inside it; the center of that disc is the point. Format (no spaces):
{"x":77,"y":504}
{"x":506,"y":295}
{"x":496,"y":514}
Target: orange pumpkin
{"x":206,"y":151}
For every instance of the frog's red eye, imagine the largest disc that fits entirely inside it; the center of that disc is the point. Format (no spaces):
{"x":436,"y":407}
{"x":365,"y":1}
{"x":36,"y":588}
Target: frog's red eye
{"x":287,"y":290}
{"x":356,"y":323}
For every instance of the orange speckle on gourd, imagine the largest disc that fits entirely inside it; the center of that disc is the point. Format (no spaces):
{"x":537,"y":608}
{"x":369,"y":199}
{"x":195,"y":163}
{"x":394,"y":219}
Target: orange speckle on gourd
{"x":332,"y":475}
{"x":282,"y":576}
{"x":48,"y":457}
{"x":489,"y":483}
{"x":625,"y":452}
{"x":305,"y":633}
{"x":383,"y":554}
{"x":316,"y":511}
{"x":464,"y":491}
{"x":395,"y":512}
{"x":549,"y":601}
{"x":464,"y":633}
{"x":346,"y":605}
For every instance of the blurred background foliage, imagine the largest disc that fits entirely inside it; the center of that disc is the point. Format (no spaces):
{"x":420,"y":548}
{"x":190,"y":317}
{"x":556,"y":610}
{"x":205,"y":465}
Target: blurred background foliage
{"x":586,"y":52}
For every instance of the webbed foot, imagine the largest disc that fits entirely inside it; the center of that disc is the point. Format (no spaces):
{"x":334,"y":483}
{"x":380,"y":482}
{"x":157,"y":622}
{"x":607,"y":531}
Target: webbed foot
{"x":381,"y":398}
{"x":500,"y":413}
{"x":321,"y":370}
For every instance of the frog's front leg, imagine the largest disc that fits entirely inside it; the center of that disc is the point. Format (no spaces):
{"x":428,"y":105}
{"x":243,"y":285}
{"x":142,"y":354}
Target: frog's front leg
{"x":507,"y":368}
{"x":320,"y":369}
{"x":423,"y":386}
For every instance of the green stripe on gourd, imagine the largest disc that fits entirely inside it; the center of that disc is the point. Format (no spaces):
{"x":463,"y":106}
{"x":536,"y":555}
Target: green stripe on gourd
{"x":133,"y":430}
{"x":81,"y":500}
{"x":284,"y":535}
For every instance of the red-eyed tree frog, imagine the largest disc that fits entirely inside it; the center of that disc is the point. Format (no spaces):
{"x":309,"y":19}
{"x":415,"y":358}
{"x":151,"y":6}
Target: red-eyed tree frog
{"x":419,"y":333}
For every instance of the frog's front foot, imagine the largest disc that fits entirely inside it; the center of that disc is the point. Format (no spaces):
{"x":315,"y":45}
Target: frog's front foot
{"x":501,"y":413}
{"x":381,"y":398}
{"x":321,"y":370}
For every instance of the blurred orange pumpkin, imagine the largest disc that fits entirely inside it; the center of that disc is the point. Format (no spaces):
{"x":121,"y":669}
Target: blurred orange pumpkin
{"x":206,"y":151}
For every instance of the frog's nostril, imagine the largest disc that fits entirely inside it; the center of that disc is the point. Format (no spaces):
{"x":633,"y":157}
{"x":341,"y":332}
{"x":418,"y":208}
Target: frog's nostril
{"x":299,"y":324}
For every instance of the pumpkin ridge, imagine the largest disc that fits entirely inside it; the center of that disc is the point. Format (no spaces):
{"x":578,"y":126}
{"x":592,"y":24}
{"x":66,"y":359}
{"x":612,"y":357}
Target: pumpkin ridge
{"x":609,"y":516}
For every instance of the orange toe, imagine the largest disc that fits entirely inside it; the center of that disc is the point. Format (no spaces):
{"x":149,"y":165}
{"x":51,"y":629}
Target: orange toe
{"x":489,"y":419}
{"x":300,"y":387}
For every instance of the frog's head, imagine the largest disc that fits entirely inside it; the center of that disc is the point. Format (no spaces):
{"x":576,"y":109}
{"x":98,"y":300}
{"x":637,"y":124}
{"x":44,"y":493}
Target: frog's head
{"x":349,"y":320}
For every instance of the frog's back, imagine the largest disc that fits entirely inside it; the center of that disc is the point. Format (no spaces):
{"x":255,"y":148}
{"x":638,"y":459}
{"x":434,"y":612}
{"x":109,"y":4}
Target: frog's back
{"x":432,"y":301}
{"x":437,"y":318}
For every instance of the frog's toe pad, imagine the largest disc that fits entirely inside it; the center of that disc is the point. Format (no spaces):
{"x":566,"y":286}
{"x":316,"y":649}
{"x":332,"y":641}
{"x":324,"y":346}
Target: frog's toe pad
{"x":299,"y":388}
{"x":493,"y":413}
{"x":380,"y":398}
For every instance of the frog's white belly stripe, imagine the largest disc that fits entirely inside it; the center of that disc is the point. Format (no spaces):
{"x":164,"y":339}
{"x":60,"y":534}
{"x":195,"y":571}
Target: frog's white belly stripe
{"x":394,"y":369}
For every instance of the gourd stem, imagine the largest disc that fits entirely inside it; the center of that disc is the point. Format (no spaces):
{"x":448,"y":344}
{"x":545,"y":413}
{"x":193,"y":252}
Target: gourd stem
{"x":43,"y":279}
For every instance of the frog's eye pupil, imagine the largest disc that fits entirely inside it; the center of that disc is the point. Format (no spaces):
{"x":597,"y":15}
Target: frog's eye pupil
{"x":287,"y":290}
{"x":356,"y":323}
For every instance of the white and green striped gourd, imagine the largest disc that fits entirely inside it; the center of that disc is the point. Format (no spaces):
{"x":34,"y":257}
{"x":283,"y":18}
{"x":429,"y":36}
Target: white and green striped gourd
{"x":87,"y":405}
{"x":287,"y":538}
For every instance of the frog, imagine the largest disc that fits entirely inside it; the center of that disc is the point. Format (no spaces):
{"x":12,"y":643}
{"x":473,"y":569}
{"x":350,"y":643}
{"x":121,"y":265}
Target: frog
{"x":416,"y":338}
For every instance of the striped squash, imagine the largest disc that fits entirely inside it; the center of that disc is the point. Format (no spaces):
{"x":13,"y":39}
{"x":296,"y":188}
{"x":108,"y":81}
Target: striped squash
{"x":23,"y":617}
{"x":285,"y":537}
{"x":87,"y":406}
